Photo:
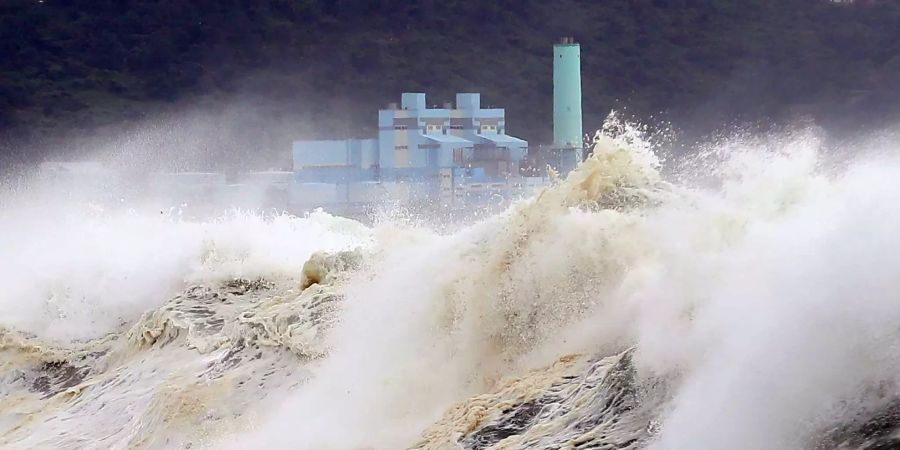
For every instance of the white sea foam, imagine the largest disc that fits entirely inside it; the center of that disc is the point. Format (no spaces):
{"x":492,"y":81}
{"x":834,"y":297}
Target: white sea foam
{"x":80,"y":272}
{"x":764,"y":297}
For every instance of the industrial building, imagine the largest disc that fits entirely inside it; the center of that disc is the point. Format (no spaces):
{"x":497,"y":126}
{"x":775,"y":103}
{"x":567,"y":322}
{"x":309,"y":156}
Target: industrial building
{"x":458,"y":156}
{"x":453,"y":156}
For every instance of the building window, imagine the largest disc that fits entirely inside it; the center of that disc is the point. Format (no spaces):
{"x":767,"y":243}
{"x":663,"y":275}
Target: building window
{"x":401,"y":147}
{"x":434,"y":128}
{"x":458,"y":156}
{"x":456,"y":127}
{"x":490,"y":128}
{"x":400,"y":127}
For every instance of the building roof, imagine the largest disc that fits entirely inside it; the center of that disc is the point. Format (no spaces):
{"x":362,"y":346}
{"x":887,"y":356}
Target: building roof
{"x":502,"y":140}
{"x":446,"y":139}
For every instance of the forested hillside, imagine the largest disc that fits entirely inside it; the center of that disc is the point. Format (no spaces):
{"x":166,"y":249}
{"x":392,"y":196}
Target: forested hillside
{"x":327,"y":65}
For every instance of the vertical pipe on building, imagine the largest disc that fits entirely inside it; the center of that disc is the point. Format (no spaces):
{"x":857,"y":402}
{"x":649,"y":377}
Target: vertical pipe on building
{"x":567,"y":96}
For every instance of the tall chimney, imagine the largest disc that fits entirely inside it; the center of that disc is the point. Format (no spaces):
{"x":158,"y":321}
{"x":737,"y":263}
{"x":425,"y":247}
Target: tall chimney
{"x":567,"y":96}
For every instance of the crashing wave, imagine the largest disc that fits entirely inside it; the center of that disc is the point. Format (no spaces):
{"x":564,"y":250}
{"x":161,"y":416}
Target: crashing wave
{"x":182,"y":375}
{"x":613,"y":310}
{"x":576,"y":403}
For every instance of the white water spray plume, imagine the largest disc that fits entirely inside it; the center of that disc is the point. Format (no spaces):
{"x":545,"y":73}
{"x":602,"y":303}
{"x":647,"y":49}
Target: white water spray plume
{"x":747,"y":299}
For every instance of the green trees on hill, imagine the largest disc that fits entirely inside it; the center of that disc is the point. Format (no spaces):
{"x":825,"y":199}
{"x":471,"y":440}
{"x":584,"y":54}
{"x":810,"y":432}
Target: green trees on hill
{"x":77,"y":64}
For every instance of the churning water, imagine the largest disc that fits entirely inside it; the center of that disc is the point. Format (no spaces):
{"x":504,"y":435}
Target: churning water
{"x":748,"y":301}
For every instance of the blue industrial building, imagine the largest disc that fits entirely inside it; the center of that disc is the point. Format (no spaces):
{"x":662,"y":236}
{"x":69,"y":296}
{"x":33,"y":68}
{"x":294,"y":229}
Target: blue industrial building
{"x":456,"y":155}
{"x":460,"y":156}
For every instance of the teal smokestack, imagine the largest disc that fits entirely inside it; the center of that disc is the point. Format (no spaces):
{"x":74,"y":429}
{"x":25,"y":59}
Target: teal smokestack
{"x":567,"y":96}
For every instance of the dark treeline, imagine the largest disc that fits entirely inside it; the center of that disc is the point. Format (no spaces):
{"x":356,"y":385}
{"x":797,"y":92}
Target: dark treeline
{"x":322,"y":67}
